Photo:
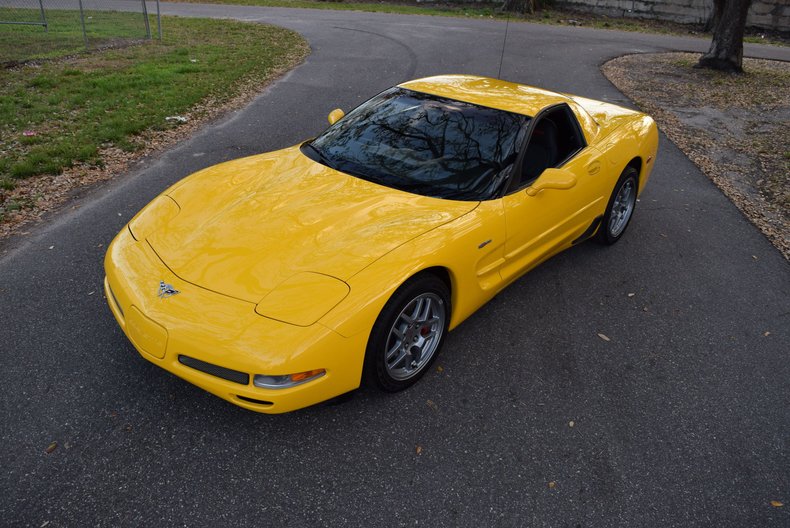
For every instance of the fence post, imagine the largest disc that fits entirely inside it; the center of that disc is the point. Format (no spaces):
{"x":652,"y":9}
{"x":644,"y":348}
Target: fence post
{"x":82,"y":19}
{"x":44,"y":15}
{"x":147,"y":24}
{"x":158,"y":21}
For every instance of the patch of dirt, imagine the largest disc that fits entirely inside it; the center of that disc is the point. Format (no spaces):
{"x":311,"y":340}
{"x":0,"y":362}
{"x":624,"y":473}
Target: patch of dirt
{"x":38,"y":195}
{"x":735,"y":128}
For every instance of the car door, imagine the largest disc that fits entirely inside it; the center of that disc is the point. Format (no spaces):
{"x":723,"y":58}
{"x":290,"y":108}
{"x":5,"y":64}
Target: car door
{"x":558,"y":196}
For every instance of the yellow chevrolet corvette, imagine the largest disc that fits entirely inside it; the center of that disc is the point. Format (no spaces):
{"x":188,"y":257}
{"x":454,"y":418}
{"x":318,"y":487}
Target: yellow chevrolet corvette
{"x":284,"y":279}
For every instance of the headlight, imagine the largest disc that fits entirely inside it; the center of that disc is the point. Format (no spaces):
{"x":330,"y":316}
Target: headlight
{"x":161,"y":210}
{"x":303,"y":298}
{"x":289,"y":380}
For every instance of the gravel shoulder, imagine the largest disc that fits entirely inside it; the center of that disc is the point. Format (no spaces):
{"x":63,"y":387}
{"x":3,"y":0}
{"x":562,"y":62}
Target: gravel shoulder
{"x":735,"y":128}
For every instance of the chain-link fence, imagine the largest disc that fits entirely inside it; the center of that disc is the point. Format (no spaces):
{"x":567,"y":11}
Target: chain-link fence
{"x":41,"y":29}
{"x":30,"y":13}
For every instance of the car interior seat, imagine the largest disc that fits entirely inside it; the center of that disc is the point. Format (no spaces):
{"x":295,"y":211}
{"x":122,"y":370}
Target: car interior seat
{"x":542,"y":150}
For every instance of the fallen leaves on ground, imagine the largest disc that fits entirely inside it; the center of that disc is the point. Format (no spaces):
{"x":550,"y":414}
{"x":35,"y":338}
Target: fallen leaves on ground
{"x":735,"y":128}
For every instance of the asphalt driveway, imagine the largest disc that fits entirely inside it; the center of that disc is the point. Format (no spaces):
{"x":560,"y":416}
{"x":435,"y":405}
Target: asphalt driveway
{"x":681,"y":418}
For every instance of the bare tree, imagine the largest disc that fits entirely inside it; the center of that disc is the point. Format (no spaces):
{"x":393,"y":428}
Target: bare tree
{"x":522,"y":6}
{"x":726,"y":49}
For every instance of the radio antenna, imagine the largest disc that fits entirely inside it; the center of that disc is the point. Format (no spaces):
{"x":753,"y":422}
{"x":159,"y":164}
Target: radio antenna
{"x":504,"y":41}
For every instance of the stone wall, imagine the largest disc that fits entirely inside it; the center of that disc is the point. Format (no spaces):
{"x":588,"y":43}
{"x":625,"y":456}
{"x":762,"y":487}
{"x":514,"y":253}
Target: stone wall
{"x":765,"y":14}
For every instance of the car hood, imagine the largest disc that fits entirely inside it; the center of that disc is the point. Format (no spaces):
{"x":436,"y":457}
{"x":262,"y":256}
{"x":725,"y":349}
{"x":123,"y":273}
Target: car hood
{"x":248,"y":225}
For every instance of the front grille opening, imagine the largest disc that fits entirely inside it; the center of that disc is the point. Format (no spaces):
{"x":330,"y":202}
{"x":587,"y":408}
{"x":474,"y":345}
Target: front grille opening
{"x":253,"y":400}
{"x":235,"y":376}
{"x":115,"y":300}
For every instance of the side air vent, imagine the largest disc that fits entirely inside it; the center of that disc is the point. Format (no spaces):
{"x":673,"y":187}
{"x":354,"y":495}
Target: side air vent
{"x":253,"y":400}
{"x":115,"y":300}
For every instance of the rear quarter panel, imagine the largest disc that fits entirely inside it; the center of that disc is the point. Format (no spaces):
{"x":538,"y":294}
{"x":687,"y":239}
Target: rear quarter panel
{"x":634,"y":139}
{"x":620,"y":134}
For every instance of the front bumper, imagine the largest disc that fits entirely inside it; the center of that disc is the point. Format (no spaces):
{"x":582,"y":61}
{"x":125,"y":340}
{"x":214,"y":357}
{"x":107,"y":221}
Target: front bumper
{"x":219,"y":343}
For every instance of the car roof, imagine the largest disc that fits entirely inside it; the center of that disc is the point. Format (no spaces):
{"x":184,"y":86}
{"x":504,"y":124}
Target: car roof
{"x":485,"y":91}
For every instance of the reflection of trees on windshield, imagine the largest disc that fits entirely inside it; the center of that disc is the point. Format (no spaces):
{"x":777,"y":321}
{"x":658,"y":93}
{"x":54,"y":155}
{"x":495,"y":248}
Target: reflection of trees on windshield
{"x":425,"y":144}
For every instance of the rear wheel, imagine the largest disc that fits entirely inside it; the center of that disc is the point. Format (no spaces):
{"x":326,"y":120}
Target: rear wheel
{"x":408,"y":334}
{"x":620,"y":208}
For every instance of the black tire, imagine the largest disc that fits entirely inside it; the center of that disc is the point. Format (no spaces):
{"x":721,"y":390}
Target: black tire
{"x":612,"y":228}
{"x":406,"y":366}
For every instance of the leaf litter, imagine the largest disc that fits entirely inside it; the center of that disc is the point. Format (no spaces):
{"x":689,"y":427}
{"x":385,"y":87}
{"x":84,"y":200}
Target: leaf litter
{"x":735,"y":128}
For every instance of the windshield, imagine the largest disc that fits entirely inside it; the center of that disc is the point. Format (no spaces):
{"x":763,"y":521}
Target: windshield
{"x":424,"y":144}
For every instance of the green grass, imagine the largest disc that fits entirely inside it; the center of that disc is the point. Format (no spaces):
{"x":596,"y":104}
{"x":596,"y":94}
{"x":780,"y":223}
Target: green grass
{"x":461,"y":9}
{"x":16,"y":204}
{"x":378,"y":7}
{"x":55,"y":113}
{"x":64,"y":36}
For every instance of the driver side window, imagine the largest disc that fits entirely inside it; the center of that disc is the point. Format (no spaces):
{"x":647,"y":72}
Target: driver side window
{"x":555,"y":139}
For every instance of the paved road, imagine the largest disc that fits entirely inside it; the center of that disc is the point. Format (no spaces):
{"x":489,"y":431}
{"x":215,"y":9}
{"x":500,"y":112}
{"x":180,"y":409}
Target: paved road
{"x":682,"y":419}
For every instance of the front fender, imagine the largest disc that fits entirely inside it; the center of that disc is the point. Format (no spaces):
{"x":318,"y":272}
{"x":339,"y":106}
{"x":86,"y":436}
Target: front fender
{"x":470,"y":249}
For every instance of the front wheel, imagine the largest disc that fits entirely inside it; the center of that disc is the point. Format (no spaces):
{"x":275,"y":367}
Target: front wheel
{"x":620,"y":208}
{"x":408,"y":334}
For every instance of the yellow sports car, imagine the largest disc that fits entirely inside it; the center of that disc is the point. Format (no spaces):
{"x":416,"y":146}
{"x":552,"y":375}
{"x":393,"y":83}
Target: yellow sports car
{"x":281,"y":280}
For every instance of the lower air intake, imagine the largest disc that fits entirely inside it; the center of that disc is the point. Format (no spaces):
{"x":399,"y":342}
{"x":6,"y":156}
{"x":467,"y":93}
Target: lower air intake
{"x":235,"y":376}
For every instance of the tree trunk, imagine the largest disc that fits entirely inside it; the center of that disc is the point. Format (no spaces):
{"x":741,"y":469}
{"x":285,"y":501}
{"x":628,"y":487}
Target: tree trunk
{"x":519,"y":6}
{"x":726,"y":49}
{"x":710,"y":24}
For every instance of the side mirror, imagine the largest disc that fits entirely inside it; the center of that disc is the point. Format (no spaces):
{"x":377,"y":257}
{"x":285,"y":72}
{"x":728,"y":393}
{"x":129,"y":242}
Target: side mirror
{"x":552,"y":179}
{"x":335,"y":116}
